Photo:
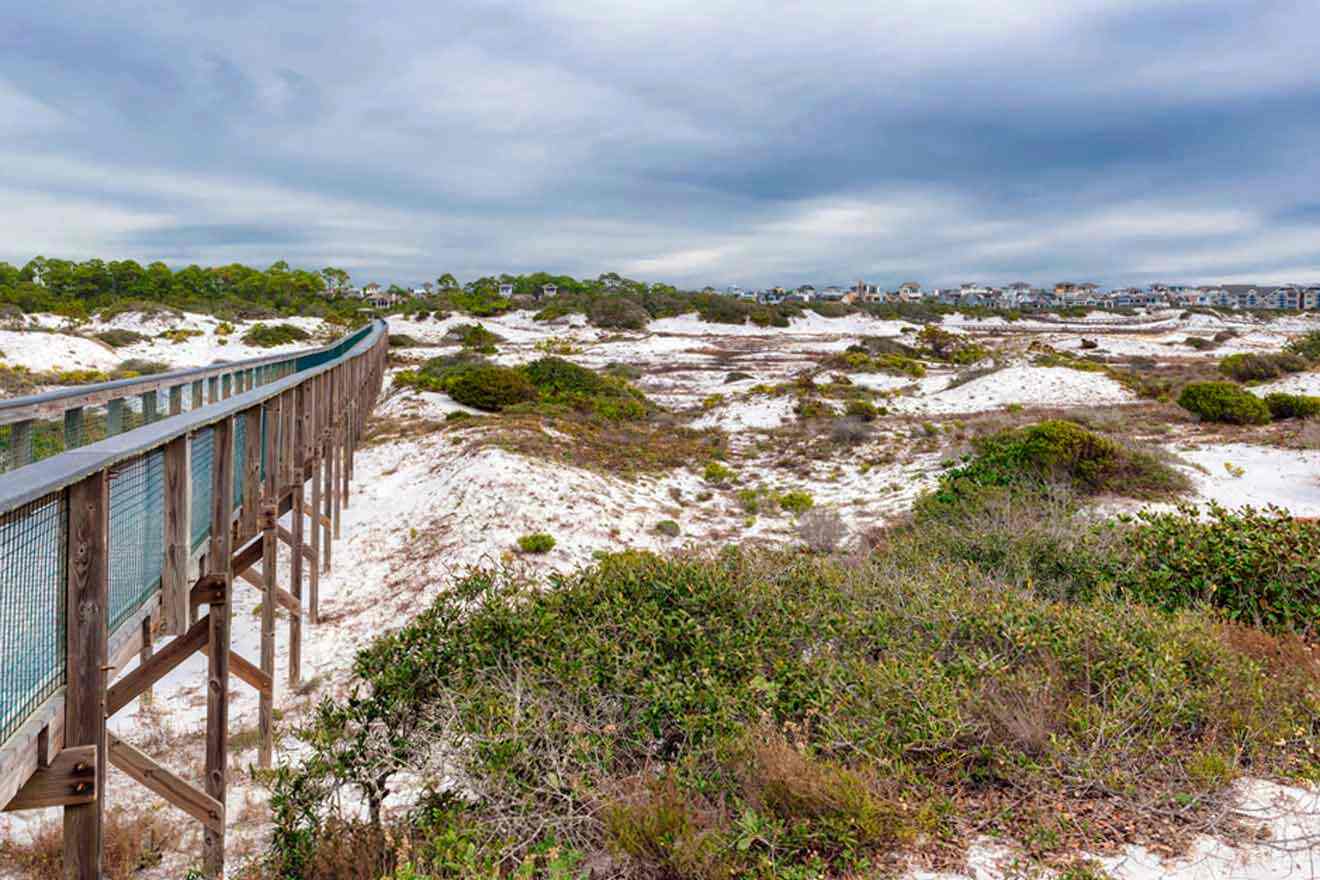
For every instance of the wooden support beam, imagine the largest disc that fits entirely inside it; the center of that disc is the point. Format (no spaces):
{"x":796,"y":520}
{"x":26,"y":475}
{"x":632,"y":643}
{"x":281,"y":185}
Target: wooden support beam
{"x":219,"y":557}
{"x":73,"y":427}
{"x":269,"y":561}
{"x":248,"y":555}
{"x":177,"y":522}
{"x":146,"y":674}
{"x":250,"y":455}
{"x":249,"y":673}
{"x":146,"y":772}
{"x":176,"y":400}
{"x":68,"y":780}
{"x":20,"y":443}
{"x":209,"y":590}
{"x":287,"y":537}
{"x":283,"y":598}
{"x":145,"y":653}
{"x":86,"y":649}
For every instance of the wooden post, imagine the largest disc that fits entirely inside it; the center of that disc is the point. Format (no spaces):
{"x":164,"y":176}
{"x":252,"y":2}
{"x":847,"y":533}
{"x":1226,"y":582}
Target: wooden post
{"x":218,"y":644}
{"x":198,"y":400}
{"x":86,"y":620}
{"x":149,"y":409}
{"x":20,"y":443}
{"x":176,"y":400}
{"x":227,"y":386}
{"x":174,"y":606}
{"x":212,"y":389}
{"x":315,"y":400}
{"x":336,"y":449}
{"x":324,"y":515}
{"x":73,"y":427}
{"x":297,"y":464}
{"x":269,"y":563}
{"x":144,"y":655}
{"x":114,"y":417}
{"x":251,"y":456}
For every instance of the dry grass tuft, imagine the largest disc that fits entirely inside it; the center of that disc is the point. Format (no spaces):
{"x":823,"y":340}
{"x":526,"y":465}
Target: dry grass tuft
{"x":134,"y":841}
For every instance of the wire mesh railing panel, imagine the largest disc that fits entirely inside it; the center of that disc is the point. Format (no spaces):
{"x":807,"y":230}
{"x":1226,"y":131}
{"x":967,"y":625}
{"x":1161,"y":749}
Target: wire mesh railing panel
{"x":32,"y":590}
{"x":240,"y":438}
{"x":137,"y":540}
{"x":203,"y":447}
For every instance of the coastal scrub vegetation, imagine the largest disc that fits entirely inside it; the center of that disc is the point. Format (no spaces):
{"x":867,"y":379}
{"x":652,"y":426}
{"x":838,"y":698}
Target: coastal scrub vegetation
{"x":783,"y":715}
{"x":271,"y":335}
{"x":1224,"y":402}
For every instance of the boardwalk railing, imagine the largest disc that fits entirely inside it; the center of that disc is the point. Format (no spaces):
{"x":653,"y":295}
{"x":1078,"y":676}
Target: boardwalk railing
{"x":124,"y":533}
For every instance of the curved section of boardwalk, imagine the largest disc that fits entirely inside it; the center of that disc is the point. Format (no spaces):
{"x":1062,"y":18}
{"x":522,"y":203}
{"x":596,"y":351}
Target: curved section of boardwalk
{"x":123,"y":536}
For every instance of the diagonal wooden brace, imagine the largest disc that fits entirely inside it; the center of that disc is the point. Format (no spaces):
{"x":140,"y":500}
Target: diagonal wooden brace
{"x":146,"y":772}
{"x":123,"y":691}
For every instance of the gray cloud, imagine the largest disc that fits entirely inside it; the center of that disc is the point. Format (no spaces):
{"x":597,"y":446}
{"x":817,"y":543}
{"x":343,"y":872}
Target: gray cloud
{"x":717,"y":141}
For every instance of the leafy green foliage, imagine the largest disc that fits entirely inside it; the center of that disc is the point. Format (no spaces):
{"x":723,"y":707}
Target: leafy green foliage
{"x":668,"y":528}
{"x":718,"y":473}
{"x":1224,"y":402}
{"x":779,"y":716}
{"x":271,"y":335}
{"x":601,"y":394}
{"x":117,"y":337}
{"x":1307,"y":346}
{"x":1292,"y":406}
{"x":489,"y":387}
{"x":474,"y":337}
{"x":1056,"y":452}
{"x":953,"y":348}
{"x":1251,"y":367}
{"x":537,"y":542}
{"x":1260,"y":567}
{"x":796,"y":501}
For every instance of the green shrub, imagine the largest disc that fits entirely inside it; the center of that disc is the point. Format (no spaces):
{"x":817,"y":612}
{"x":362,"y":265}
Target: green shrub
{"x":1200,"y":343}
{"x":953,"y":348}
{"x":489,"y":387}
{"x":717,"y":473}
{"x":117,"y":337}
{"x":133,"y":367}
{"x":618,"y":313}
{"x":1292,"y":406}
{"x":1224,"y":402}
{"x":667,"y":527}
{"x":1307,"y":346}
{"x":403,"y":340}
{"x":861,"y":409}
{"x":779,"y":715}
{"x":562,"y":382}
{"x":179,"y":335}
{"x":796,"y":501}
{"x":1056,"y":452}
{"x":1260,"y":567}
{"x":271,"y":335}
{"x":1249,"y":367}
{"x":538,"y":542}
{"x":474,"y":337}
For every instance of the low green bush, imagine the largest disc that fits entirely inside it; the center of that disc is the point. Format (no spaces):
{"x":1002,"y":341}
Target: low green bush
{"x":1307,"y":346}
{"x":538,"y":542}
{"x":950,"y":347}
{"x":667,"y":527}
{"x":605,"y":395}
{"x":796,"y":501}
{"x":474,"y":337}
{"x":403,"y":340}
{"x":133,"y":367}
{"x":1056,"y":452}
{"x":776,"y":716}
{"x":489,"y":387}
{"x":618,"y":313}
{"x":271,"y":335}
{"x":1224,"y":402}
{"x":717,"y":473}
{"x":117,"y":337}
{"x":1260,"y":567}
{"x":1292,"y":406}
{"x":1251,"y":367}
{"x":861,"y":409}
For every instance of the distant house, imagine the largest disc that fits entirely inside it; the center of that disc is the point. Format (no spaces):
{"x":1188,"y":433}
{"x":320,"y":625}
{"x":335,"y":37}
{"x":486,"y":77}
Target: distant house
{"x":548,"y":291}
{"x":506,"y":290}
{"x":909,"y":291}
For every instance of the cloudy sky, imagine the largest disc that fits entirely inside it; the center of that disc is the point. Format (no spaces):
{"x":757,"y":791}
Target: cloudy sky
{"x":693,"y":141}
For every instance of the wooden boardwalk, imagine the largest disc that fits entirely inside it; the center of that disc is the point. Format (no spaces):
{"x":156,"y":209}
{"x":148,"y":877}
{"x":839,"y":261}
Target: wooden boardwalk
{"x":300,"y":419}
